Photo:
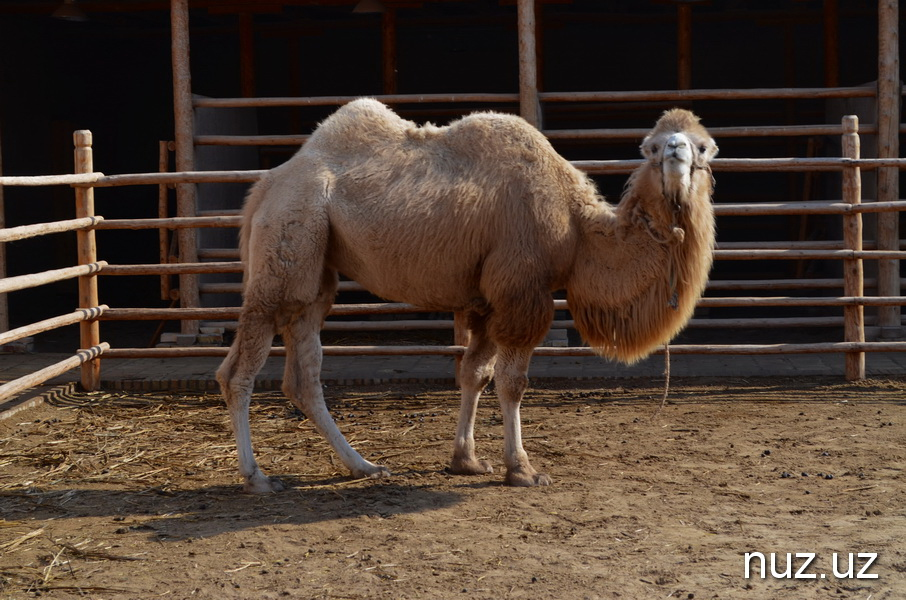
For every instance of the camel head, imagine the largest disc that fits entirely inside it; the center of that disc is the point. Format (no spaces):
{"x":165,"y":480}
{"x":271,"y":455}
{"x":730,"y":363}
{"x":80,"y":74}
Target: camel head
{"x":679,"y":151}
{"x":634,"y":287}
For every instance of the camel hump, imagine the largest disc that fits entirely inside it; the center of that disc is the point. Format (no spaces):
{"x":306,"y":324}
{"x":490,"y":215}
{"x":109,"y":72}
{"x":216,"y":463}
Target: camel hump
{"x":497,"y":128}
{"x":361,"y":123}
{"x":367,"y":109}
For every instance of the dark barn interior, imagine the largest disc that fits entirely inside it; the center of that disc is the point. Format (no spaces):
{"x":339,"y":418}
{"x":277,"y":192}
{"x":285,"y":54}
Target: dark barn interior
{"x":109,"y":70}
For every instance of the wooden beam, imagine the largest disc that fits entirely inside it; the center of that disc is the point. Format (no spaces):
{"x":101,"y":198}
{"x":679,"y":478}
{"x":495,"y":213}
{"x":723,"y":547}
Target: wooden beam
{"x":889,"y":97}
{"x":853,"y":276}
{"x":87,"y":249}
{"x":683,"y":46}
{"x":184,"y":120}
{"x":388,"y":49}
{"x":831,"y":43}
{"x":529,"y":105}
{"x":247,"y":54}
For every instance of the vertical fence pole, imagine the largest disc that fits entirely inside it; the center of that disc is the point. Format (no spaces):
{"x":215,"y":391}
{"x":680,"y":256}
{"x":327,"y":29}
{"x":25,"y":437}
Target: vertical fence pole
{"x":185,"y":153}
{"x":853,"y":281}
{"x":684,"y":46}
{"x":90,"y":335}
{"x":889,"y":97}
{"x":529,"y":105}
{"x":388,"y":49}
{"x":247,"y":54}
{"x":831,"y":43}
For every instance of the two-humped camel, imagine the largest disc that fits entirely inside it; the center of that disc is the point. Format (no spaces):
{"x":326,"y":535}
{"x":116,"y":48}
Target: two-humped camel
{"x":482,"y":218}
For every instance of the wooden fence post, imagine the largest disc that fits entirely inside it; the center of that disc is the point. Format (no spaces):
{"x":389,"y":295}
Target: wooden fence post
{"x":889,"y":98}
{"x":88,"y":284}
{"x":684,"y":46}
{"x":853,"y":281}
{"x":529,"y":103}
{"x":388,"y":49}
{"x":184,"y":117}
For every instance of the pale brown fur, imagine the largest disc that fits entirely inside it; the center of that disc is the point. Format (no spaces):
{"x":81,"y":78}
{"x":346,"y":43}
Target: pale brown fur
{"x":483,"y":218}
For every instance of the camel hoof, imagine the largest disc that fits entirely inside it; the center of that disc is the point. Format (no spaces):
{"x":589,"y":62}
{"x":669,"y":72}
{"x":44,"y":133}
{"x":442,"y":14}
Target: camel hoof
{"x":527,"y":479}
{"x":262,"y":484}
{"x":470,"y":467}
{"x":372,"y":471}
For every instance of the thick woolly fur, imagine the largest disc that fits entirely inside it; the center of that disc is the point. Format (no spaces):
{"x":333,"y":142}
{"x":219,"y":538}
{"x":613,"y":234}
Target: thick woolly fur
{"x":635,"y":283}
{"x":482,"y":216}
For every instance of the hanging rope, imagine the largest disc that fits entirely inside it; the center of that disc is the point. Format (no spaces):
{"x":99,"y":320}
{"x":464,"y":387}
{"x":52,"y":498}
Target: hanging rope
{"x":666,"y":381}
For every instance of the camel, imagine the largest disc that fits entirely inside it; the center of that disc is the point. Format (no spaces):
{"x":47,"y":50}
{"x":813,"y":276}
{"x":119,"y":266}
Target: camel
{"x":482,"y":218}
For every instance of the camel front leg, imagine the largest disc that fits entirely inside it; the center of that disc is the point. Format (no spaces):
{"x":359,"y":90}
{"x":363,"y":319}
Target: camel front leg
{"x":512,"y":381}
{"x":475,"y":372}
{"x":302,"y":385}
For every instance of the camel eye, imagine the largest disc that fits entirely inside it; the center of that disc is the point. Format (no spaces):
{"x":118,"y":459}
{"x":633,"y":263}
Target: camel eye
{"x":654,"y":148}
{"x":702,"y":149}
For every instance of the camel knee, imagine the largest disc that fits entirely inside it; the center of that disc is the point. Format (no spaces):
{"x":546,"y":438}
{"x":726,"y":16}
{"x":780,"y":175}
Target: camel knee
{"x":288,"y":389}
{"x":479,"y":362}
{"x":513,"y":385}
{"x":232,"y":371}
{"x":476,"y":375}
{"x":225,"y":374}
{"x":293,"y":390}
{"x":228,"y":367}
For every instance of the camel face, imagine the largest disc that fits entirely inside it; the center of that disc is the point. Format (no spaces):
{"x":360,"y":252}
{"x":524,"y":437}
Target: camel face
{"x":677,"y":147}
{"x":676,"y":163}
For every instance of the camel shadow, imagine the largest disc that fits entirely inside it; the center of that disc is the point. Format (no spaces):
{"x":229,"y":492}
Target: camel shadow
{"x":166,"y":515}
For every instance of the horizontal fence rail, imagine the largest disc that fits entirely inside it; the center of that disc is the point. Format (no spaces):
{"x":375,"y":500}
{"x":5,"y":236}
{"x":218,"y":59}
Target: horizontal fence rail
{"x":596,"y":97}
{"x":21,"y":282}
{"x":77,"y":316}
{"x":713,"y":349}
{"x":23,"y":232}
{"x":562,"y":135}
{"x":17,"y":386}
{"x":739,"y":165}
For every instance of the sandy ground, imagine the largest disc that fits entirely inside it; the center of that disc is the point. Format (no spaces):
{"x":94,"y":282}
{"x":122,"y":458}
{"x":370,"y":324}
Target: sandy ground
{"x":137,"y":496}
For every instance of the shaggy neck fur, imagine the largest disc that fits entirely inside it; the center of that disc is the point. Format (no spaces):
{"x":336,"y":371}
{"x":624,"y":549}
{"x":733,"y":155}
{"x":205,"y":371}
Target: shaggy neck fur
{"x":643,"y":265}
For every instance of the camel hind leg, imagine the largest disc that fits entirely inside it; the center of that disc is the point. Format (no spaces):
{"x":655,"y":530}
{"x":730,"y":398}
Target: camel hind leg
{"x":302,"y":378}
{"x":284,"y":247}
{"x":237,"y":379}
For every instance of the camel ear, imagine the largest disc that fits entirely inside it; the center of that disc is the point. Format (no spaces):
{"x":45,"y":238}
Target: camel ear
{"x":648,"y":148}
{"x":705,"y":151}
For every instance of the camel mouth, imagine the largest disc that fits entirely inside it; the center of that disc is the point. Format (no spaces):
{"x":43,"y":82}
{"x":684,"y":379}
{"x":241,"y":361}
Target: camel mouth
{"x":677,"y":153}
{"x":676,"y":170}
{"x":676,"y":165}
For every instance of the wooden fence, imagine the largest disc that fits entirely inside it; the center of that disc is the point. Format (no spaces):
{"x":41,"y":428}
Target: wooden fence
{"x":89,"y":312}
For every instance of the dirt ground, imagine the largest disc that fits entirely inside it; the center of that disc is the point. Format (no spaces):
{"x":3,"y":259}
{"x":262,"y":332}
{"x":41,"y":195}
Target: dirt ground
{"x":137,"y":496}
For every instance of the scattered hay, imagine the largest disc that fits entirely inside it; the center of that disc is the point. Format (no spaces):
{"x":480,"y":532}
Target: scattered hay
{"x":116,"y":439}
{"x":160,"y":443}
